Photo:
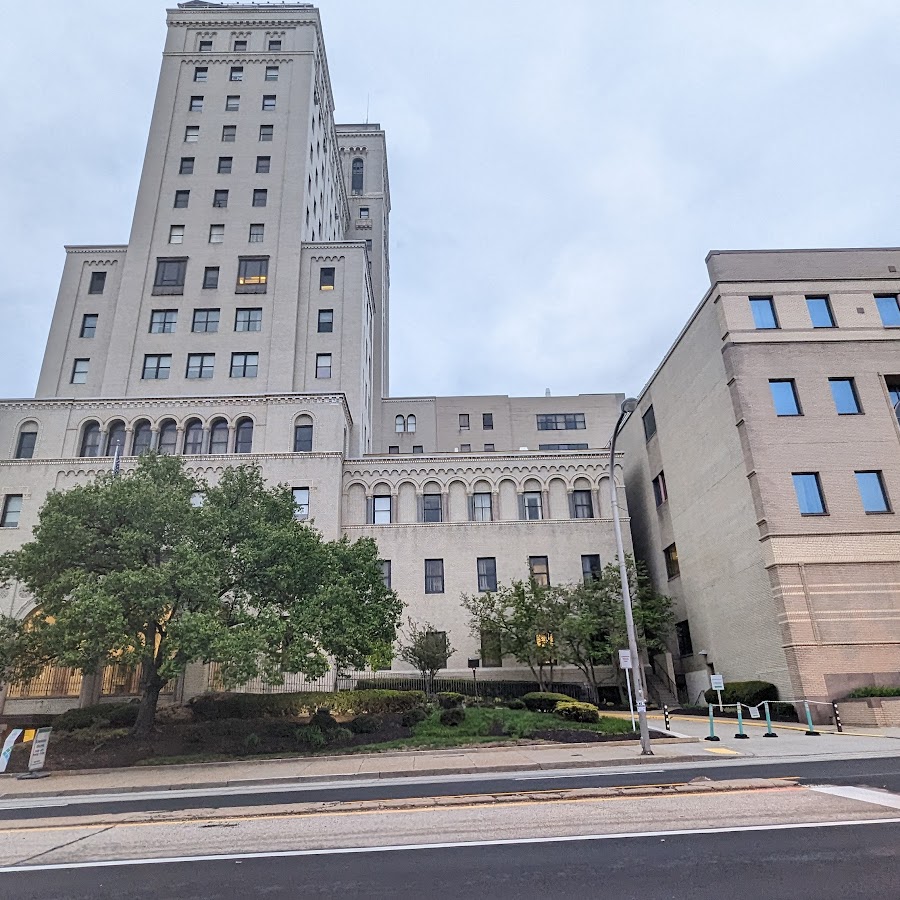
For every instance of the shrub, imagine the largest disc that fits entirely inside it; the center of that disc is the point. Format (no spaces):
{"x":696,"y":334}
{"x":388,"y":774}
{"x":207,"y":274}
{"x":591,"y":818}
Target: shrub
{"x":544,"y":701}
{"x":323,"y":720}
{"x":101,"y":715}
{"x":124,"y":715}
{"x":873,"y":691}
{"x":574,"y":711}
{"x":365,"y":724}
{"x":450,"y":699}
{"x":452,"y":717}
{"x":310,"y":737}
{"x":338,"y":736}
{"x":515,"y":704}
{"x":751,"y":693}
{"x":252,"y":742}
{"x":413,"y":717}
{"x":254,"y":706}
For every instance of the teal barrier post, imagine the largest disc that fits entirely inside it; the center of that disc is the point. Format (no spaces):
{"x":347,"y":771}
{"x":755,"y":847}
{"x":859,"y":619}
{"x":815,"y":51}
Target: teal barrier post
{"x":740,"y":732}
{"x":769,"y":732}
{"x":712,"y":726}
{"x":812,"y":731}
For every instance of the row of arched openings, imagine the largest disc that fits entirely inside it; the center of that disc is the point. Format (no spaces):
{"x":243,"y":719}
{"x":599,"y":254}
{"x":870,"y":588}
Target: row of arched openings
{"x":194,"y":439}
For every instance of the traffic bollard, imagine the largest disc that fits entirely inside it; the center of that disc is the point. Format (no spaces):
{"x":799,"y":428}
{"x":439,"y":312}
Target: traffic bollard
{"x":740,"y":732}
{"x":712,"y":726}
{"x":812,"y":731}
{"x":769,"y":732}
{"x":837,"y":718}
{"x":666,"y":717}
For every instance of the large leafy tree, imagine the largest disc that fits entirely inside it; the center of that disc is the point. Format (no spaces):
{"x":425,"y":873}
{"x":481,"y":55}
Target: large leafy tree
{"x":132,"y":569}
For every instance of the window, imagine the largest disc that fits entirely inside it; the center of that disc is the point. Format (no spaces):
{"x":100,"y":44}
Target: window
{"x":218,"y":437}
{"x":465,"y":448}
{"x":809,"y":493}
{"x":418,"y":448}
{"x":169,"y":278}
{"x":846,"y":400}
{"x":381,"y":510}
{"x":369,"y":244}
{"x":263,"y":165}
{"x":562,"y":446}
{"x":399,"y":424}
{"x":356,"y":176}
{"x":253,"y":275}
{"x":763,"y":310}
{"x":80,"y":371}
{"x":243,"y":436}
{"x":210,"y":278}
{"x":229,"y":133}
{"x":142,"y":438}
{"x":271,"y":72}
{"x":196,"y":104}
{"x":115,"y":439}
{"x":201,"y":73}
{"x":248,"y":319}
{"x":303,"y":435}
{"x":531,"y":505}
{"x":224,"y":166}
{"x":12,"y":509}
{"x":364,"y":212}
{"x":244,"y":365}
{"x":540,"y":570}
{"x":463,"y":421}
{"x":260,"y":197}
{"x":784,"y":396}
{"x":673,"y":570}
{"x":205,"y":46}
{"x":232,"y":103}
{"x":394,"y":449}
{"x":411,"y":424}
{"x":90,"y":440}
{"x":98,"y":283}
{"x":872,"y":492}
{"x":326,"y":279}
{"x":820,"y":312}
{"x":163,"y":321}
{"x":434,"y":576}
{"x":560,"y":422}
{"x":482,"y":509}
{"x":487,"y":573}
{"x":181,"y":199}
{"x":431,"y":508}
{"x":323,"y":365}
{"x":683,"y":636}
{"x":257,"y":233}
{"x":176,"y":234}
{"x":487,"y":421}
{"x":89,"y":325}
{"x":488,"y":448}
{"x":892,"y":383}
{"x":193,"y":437}
{"x":26,"y":442}
{"x":236,"y":73}
{"x":301,"y":503}
{"x":889,"y":310}
{"x":216,"y":234}
{"x":200,"y":365}
{"x":156,"y":367}
{"x":186,"y":166}
{"x":240,"y":46}
{"x":660,"y":492}
{"x":268,"y":102}
{"x":491,"y":648}
{"x":582,"y":505}
{"x":168,"y":435}
{"x":326,"y":321}
{"x":191,"y":134}
{"x":591,"y":568}
{"x":266,"y":132}
{"x":274,"y":45}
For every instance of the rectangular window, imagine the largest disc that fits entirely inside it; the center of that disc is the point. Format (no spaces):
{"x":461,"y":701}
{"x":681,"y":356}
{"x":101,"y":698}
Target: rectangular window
{"x":540,"y":570}
{"x":763,"y":310}
{"x":326,"y":279}
{"x":200,"y":365}
{"x":201,"y":73}
{"x":301,"y":503}
{"x":465,"y":448}
{"x":205,"y":46}
{"x":89,"y":325}
{"x":892,"y":383}
{"x":431,"y":508}
{"x":216,"y":234}
{"x":487,"y":573}
{"x":562,"y":446}
{"x":229,"y":133}
{"x":12,"y":509}
{"x":487,"y":421}
{"x":560,"y":421}
{"x":491,"y":649}
{"x":266,"y":132}
{"x":303,"y":438}
{"x":260,"y":197}
{"x":394,"y":449}
{"x":846,"y":401}
{"x":210,"y":278}
{"x":257,"y":233}
{"x":253,"y":275}
{"x":98,"y":283}
{"x":25,"y":444}
{"x":463,"y":421}
{"x":326,"y":321}
{"x":889,"y":310}
{"x":232,"y":103}
{"x":224,"y":166}
{"x":186,"y":166}
{"x":248,"y":319}
{"x":591,"y":568}
{"x":660,"y":492}
{"x":191,"y":134}
{"x":488,"y":448}
{"x":244,"y":365}
{"x":271,"y":73}
{"x":482,"y":508}
{"x":196,"y":104}
{"x":240,"y":46}
{"x":381,"y":510}
{"x":163,"y":321}
{"x":418,"y":448}
{"x":820,"y":314}
{"x":236,"y":73}
{"x":784,"y":397}
{"x":369,"y":244}
{"x":156,"y":367}
{"x":181,"y":199}
{"x":206,"y":321}
{"x":170,"y":274}
{"x":434,"y":576}
{"x":532,"y":505}
{"x":323,"y":365}
{"x":364,"y":212}
{"x":649,"y":420}
{"x":810,"y":498}
{"x":80,"y":371}
{"x":263,"y":165}
{"x":673,"y":570}
{"x":176,"y":234}
{"x":268,"y":102}
{"x":683,"y":636}
{"x":582,"y":505}
{"x":275,"y":46}
{"x":872,"y":492}
{"x":386,"y":573}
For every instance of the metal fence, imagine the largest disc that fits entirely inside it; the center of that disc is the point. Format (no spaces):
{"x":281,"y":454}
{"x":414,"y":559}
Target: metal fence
{"x":59,"y":682}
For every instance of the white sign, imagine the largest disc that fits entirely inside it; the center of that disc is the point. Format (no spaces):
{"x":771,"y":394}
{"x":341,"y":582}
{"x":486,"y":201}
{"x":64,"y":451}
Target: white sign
{"x":11,"y":738}
{"x":754,"y":712}
{"x":624,"y":659}
{"x":717,"y":682}
{"x":39,"y":749}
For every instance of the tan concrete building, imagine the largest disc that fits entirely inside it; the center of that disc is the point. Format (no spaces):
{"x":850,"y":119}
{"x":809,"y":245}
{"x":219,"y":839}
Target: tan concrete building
{"x":763,"y":469}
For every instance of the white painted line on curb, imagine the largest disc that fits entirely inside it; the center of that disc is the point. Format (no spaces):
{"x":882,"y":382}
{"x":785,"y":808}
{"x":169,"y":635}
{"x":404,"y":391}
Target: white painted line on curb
{"x":449,"y":845}
{"x":866,"y":795}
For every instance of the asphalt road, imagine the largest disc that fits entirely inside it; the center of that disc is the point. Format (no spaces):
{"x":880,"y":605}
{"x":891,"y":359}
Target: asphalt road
{"x":857,"y":862}
{"x":877,"y":773}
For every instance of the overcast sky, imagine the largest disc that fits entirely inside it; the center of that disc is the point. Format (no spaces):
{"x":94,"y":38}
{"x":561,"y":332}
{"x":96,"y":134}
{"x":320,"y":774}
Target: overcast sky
{"x":558,"y":171}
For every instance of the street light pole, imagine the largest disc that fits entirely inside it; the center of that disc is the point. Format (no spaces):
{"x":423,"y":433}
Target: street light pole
{"x":628,"y":406}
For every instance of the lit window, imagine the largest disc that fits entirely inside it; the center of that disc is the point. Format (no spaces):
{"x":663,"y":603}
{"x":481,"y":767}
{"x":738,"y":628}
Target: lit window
{"x":591,"y":568}
{"x":12,"y":509}
{"x":257,"y":233}
{"x":210,"y":277}
{"x":229,"y":133}
{"x":196,"y":104}
{"x":673,"y":570}
{"x":248,"y":319}
{"x":253,"y":275}
{"x":260,"y":197}
{"x":482,"y":508}
{"x":98,"y":283}
{"x":540,"y":570}
{"x":163,"y":321}
{"x":181,"y":199}
{"x":843,"y":390}
{"x":236,"y":73}
{"x":784,"y":396}
{"x":763,"y":310}
{"x":191,"y":134}
{"x":157,"y":367}
{"x":271,"y":73}
{"x":487,"y":573}
{"x":176,"y":234}
{"x":531,"y":508}
{"x":244,"y":365}
{"x":434,"y":576}
{"x":80,"y":371}
{"x":89,"y":325}
{"x":820,"y":312}
{"x":301,"y":503}
{"x":810,"y":498}
{"x":326,"y":321}
{"x":326,"y":279}
{"x":872,"y":492}
{"x":323,"y":365}
{"x":216,"y":234}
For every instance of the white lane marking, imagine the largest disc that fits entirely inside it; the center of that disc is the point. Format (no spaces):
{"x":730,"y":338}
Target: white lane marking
{"x":446,"y":845}
{"x":867,"y":795}
{"x":642,"y":770}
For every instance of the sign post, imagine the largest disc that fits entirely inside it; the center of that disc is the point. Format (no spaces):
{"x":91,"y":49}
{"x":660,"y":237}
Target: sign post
{"x":38,"y":754}
{"x":717,"y":683}
{"x":474,"y":663}
{"x":625,"y":663}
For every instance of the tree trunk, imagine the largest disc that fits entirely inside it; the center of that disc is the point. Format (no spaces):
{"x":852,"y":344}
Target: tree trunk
{"x":147,"y":712}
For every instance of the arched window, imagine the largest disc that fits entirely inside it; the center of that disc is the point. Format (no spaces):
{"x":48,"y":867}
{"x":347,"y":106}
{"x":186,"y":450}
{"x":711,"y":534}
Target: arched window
{"x":356,"y":176}
{"x":115,"y":438}
{"x":218,"y":437}
{"x":410,"y":423}
{"x":168,"y":436}
{"x":243,"y":436}
{"x":26,"y":440}
{"x":90,"y":440}
{"x":399,"y":424}
{"x":143,"y":437}
{"x":303,"y":435}
{"x":193,"y":437}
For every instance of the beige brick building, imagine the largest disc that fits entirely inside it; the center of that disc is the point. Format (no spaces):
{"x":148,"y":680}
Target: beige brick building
{"x":763,"y":469}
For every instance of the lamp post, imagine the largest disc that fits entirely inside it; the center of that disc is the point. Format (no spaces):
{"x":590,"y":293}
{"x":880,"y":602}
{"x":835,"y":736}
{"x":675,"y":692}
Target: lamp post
{"x":628,"y":406}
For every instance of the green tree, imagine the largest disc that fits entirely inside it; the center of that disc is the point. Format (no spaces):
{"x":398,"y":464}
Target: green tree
{"x":128,"y":569}
{"x":426,"y":649}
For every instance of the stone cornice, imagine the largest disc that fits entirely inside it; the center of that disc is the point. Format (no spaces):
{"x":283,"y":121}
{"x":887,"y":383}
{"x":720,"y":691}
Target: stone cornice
{"x":95,"y":248}
{"x":527,"y":523}
{"x":234,"y":59}
{"x":92,"y":464}
{"x":192,"y":18}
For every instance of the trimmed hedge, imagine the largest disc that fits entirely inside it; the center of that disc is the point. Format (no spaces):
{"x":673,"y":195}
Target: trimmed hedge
{"x":365,"y":724}
{"x":506,"y":690}
{"x":750,"y":693}
{"x":873,"y":691}
{"x":450,"y":699}
{"x":255,"y":706}
{"x":113,"y":715}
{"x":577,"y":712}
{"x":544,"y":701}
